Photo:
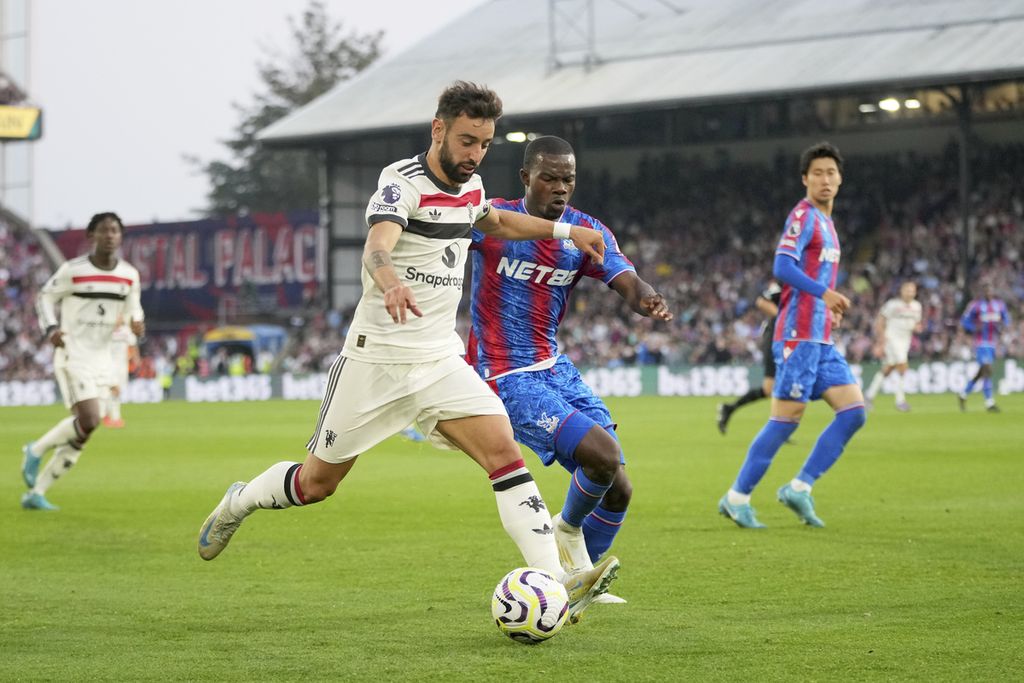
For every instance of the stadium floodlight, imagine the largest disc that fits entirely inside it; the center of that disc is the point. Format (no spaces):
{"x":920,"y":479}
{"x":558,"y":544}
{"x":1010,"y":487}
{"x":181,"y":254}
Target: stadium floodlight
{"x":889,"y":104}
{"x":516,"y":136}
{"x":867,"y":108}
{"x":912,"y":103}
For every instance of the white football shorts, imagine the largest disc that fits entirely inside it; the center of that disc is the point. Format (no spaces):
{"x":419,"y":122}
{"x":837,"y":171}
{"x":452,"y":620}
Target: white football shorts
{"x":80,"y":383}
{"x":896,"y":351}
{"x":366,"y":403}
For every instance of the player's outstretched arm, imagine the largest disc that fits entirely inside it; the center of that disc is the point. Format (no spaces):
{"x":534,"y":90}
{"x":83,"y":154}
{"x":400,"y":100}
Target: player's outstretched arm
{"x":398,"y":297}
{"x":641,"y":296}
{"x":512,"y":225}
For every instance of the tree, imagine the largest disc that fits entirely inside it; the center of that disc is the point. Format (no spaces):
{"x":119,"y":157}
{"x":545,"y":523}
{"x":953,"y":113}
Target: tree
{"x":261,"y":179}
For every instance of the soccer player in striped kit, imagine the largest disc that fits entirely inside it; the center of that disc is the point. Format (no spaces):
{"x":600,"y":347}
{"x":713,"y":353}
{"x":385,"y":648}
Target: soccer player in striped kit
{"x":93,"y":292}
{"x":984,"y":317}
{"x":519,"y":296}
{"x":403,"y":361}
{"x":809,"y":367}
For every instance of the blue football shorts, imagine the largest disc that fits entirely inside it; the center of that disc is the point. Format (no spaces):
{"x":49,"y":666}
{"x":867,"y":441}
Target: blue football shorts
{"x":552,"y":406}
{"x":986,"y":355}
{"x":806,"y":370}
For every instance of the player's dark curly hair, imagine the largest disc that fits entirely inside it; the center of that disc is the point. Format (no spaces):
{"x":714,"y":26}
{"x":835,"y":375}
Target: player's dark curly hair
{"x":545,"y":144}
{"x":100,"y":217}
{"x":822,"y":150}
{"x":475,"y":101}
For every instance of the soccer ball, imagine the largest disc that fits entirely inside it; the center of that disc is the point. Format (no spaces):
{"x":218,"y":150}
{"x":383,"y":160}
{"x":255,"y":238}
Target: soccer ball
{"x":529,"y":605}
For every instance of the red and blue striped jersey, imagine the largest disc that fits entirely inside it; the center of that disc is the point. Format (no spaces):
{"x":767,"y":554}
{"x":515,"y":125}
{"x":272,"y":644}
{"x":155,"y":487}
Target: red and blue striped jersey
{"x":984,"y":318}
{"x":520,"y":291}
{"x":810,"y":238}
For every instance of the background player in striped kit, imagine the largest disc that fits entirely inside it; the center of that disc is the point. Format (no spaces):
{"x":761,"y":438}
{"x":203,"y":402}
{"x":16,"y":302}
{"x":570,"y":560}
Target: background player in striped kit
{"x":898,"y":320}
{"x":93,"y":292}
{"x":768,"y":303}
{"x":519,"y":296}
{"x":402,"y":359}
{"x":809,"y":367}
{"x":984,"y":317}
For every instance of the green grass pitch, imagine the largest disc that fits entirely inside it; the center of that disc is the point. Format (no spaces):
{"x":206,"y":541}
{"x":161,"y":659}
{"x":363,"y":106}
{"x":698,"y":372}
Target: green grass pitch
{"x":918,"y":576}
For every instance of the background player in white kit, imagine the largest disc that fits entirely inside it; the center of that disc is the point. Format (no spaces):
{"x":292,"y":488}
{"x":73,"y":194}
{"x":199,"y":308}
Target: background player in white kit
{"x":402,"y":359}
{"x":896,"y":324}
{"x":124,"y":351}
{"x":93,"y":292}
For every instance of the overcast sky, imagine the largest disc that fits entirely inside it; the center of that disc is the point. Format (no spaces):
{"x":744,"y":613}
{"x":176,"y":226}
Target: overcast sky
{"x":129,"y":87}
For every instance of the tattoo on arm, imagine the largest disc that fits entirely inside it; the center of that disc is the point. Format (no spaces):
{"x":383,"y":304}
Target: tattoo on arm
{"x":377,"y":259}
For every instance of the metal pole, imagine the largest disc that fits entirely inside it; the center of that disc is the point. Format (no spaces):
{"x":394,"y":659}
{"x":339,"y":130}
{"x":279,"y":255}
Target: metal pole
{"x":964,"y":111}
{"x":326,"y":160}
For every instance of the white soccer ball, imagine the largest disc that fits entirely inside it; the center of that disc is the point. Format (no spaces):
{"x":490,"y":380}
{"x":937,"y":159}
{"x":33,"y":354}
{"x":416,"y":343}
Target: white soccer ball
{"x":529,"y":605}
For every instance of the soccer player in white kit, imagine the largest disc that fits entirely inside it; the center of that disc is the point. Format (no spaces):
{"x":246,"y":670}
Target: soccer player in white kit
{"x":896,"y":324}
{"x":403,"y":360}
{"x":92,"y":292}
{"x":123,"y":349}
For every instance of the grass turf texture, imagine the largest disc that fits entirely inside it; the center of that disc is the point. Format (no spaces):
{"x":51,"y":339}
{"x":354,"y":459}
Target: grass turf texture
{"x":917,"y":577}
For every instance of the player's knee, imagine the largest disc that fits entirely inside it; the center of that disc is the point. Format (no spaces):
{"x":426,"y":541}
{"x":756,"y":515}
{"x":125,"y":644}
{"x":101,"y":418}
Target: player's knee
{"x":600,"y":464}
{"x":617,"y":498}
{"x":88,"y":423}
{"x":856,"y":418}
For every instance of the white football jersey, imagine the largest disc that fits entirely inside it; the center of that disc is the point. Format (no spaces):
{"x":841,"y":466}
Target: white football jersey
{"x":901,"y":318}
{"x":430,"y":257}
{"x":91,"y":300}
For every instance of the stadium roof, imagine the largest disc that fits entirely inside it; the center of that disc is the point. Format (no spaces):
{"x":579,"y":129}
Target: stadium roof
{"x":670,"y":52}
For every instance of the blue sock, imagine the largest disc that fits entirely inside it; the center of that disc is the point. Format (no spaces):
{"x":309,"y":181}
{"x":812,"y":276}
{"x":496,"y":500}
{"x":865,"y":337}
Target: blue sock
{"x":600,"y":528}
{"x":764,"y":447}
{"x":583,"y":497}
{"x":969,"y":387}
{"x":832,"y":441}
{"x":986,"y":388}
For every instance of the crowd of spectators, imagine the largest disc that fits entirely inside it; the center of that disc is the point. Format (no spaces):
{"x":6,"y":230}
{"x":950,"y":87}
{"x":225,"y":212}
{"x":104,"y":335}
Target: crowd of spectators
{"x":705,"y":238}
{"x":704,"y":235}
{"x":23,"y":270}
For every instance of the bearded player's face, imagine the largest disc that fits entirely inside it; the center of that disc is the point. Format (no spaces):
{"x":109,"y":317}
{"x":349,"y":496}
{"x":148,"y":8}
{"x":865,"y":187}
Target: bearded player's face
{"x":464,"y":143}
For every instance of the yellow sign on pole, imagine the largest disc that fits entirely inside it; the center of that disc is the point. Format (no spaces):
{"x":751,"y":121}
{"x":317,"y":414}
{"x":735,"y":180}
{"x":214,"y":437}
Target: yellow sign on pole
{"x":21,"y":123}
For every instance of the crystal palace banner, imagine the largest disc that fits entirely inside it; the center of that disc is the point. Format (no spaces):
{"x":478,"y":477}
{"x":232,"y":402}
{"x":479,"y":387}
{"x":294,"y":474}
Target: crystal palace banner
{"x":194,"y":270}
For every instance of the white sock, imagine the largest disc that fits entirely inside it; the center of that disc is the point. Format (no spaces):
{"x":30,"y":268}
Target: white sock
{"x":64,"y":458}
{"x":900,"y":396}
{"x":114,"y":409}
{"x":876,"y":384}
{"x":275,"y":489}
{"x":800,"y":486}
{"x":59,"y":435}
{"x":734,"y":497}
{"x":525,"y":517}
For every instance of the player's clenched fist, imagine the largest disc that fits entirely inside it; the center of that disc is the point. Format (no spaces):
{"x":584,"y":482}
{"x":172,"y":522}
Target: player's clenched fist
{"x":655,"y":306}
{"x":398,"y":300}
{"x":591,"y":242}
